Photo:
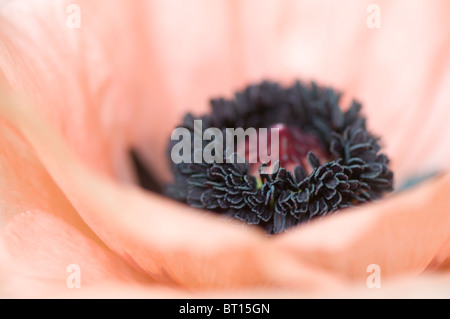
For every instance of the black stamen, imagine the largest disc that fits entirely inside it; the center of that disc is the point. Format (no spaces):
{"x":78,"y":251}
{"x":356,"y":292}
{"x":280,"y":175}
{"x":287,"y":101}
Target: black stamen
{"x":352,"y":172}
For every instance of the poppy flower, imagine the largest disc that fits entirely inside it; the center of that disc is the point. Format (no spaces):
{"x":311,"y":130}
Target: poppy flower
{"x":84,"y":83}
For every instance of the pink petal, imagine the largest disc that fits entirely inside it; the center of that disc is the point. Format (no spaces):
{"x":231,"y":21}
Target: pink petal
{"x":173,"y":244}
{"x":105,"y":97}
{"x":39,"y":250}
{"x":403,"y":235}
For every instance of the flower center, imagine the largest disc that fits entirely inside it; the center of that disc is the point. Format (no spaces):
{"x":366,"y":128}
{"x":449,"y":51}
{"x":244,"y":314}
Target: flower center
{"x":293,"y":148}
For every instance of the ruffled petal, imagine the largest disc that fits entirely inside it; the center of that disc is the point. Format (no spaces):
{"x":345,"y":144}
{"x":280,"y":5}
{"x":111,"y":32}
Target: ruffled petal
{"x":404,"y":235}
{"x":173,"y":244}
{"x":42,"y":254}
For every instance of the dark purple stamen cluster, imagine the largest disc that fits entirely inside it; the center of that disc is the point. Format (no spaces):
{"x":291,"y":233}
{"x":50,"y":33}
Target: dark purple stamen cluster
{"x":355,"y":171}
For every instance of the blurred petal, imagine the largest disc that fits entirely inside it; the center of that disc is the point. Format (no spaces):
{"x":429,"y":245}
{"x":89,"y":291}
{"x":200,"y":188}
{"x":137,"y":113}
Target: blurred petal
{"x":169,"y":243}
{"x":426,"y":286}
{"x":399,"y":72}
{"x":40,"y":232}
{"x":110,"y":86}
{"x":173,"y":244}
{"x":403,"y":235}
{"x":37,"y":250}
{"x":83,"y":80}
{"x":26,"y":185}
